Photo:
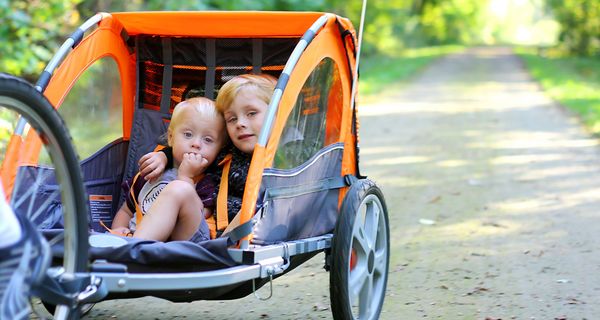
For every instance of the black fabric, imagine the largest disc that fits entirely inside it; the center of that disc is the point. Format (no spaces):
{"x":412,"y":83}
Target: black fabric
{"x":157,"y":256}
{"x":102,"y":174}
{"x":148,"y":126}
{"x":167,"y":77}
{"x":209,"y":82}
{"x":229,"y":51}
{"x":167,"y":254}
{"x":257,"y":55}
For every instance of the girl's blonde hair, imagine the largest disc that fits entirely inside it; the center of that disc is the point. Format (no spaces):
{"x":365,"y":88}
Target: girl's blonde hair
{"x":262,"y":85}
{"x":205,"y":108}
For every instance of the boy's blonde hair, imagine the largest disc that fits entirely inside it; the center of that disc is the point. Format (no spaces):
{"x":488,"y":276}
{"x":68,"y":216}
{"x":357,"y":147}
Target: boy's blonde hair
{"x":262,"y":84}
{"x":205,"y":108}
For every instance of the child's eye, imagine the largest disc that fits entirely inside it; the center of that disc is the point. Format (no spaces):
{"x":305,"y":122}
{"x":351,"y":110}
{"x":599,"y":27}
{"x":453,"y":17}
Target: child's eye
{"x":252,"y":113}
{"x":187,"y":134}
{"x":208,"y":140}
{"x":231,"y":120}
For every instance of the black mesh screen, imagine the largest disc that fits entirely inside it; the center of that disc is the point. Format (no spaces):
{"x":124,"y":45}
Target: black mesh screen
{"x":190,"y":57}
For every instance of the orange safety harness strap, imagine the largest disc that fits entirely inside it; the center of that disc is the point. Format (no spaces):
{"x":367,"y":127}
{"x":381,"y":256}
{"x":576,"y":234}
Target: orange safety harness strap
{"x":138,"y":210}
{"x":219,"y":221}
{"x":114,"y":232}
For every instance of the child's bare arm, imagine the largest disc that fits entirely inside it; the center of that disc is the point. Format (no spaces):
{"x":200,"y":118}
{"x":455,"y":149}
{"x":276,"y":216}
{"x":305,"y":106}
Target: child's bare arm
{"x":152,"y":165}
{"x":120,"y":222}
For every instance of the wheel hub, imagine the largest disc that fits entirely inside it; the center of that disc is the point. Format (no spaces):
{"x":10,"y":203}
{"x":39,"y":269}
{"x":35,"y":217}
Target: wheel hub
{"x":371,"y":261}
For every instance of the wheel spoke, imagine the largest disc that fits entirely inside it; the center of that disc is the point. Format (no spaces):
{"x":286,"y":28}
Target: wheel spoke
{"x":372,"y":223}
{"x":42,"y":208}
{"x":380,"y":265}
{"x":358,"y":278}
{"x":360,"y":242}
{"x":31,"y":193}
{"x":365,"y":304}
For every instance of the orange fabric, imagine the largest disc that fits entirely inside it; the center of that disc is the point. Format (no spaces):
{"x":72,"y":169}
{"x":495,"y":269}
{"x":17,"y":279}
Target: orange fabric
{"x":11,"y":162}
{"x":220,"y":219}
{"x":212,"y":226}
{"x":335,"y":111}
{"x":217,"y":24}
{"x":222,"y":216}
{"x":138,"y":211}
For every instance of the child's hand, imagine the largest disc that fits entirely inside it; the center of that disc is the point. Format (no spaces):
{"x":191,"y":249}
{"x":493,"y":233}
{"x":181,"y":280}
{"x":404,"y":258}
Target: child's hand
{"x":152,"y":165}
{"x":191,"y":166}
{"x":124,"y":231}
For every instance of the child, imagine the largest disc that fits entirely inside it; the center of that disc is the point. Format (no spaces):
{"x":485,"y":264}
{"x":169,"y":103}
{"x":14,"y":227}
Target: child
{"x":243,"y":100}
{"x":173,"y":205}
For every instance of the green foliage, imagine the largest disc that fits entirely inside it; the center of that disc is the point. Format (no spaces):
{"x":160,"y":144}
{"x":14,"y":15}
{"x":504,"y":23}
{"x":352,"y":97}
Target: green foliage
{"x":451,"y":21}
{"x":580,"y":25}
{"x":572,"y":81}
{"x":30,"y":31}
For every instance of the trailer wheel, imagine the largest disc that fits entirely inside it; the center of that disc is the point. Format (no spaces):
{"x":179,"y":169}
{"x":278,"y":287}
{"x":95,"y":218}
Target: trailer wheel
{"x":360,"y":254}
{"x":55,"y":187}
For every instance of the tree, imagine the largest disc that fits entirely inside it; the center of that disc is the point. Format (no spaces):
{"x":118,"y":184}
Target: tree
{"x":580,"y":25}
{"x":31,"y":30}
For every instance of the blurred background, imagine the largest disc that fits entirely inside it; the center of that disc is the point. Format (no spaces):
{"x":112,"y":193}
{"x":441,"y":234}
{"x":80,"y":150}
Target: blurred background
{"x":31,"y":30}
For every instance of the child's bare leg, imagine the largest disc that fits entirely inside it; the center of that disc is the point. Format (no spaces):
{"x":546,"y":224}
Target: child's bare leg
{"x":175,"y":214}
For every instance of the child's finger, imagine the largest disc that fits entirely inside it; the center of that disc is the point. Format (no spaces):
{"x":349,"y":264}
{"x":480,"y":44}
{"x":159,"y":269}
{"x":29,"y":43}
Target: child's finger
{"x":144,"y":158}
{"x":153,"y":174}
{"x":146,"y":168}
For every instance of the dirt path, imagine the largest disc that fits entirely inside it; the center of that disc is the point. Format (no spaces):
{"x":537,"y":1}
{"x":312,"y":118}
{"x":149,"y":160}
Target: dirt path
{"x":510,"y":182}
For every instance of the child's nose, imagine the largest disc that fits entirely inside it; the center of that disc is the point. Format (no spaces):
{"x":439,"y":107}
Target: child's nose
{"x":241,"y":122}
{"x":197,"y":142}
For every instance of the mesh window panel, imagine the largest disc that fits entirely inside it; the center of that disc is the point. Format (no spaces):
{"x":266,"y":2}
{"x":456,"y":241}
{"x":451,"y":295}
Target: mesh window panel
{"x":233,"y":56}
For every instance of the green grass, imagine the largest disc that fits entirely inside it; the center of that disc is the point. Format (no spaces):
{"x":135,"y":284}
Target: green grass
{"x":378,"y":72}
{"x":572,"y":81}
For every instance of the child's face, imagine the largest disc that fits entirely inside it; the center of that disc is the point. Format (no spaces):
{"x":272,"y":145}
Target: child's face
{"x":196,"y":134}
{"x":244,"y":119}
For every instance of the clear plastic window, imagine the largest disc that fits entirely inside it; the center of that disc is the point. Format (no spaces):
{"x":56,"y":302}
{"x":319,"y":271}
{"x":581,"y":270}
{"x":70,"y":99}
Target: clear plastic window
{"x":92,"y":109}
{"x":310,"y":126}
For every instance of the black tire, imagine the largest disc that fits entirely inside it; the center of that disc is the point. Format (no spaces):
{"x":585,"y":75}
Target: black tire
{"x":21,"y":102}
{"x":360,"y":254}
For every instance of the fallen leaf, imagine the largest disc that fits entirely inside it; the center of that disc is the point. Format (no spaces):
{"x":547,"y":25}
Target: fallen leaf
{"x":493,"y":224}
{"x":435,"y":199}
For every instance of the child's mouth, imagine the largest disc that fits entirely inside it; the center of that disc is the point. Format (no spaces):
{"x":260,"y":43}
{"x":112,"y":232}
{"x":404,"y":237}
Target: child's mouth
{"x":245,"y":136}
